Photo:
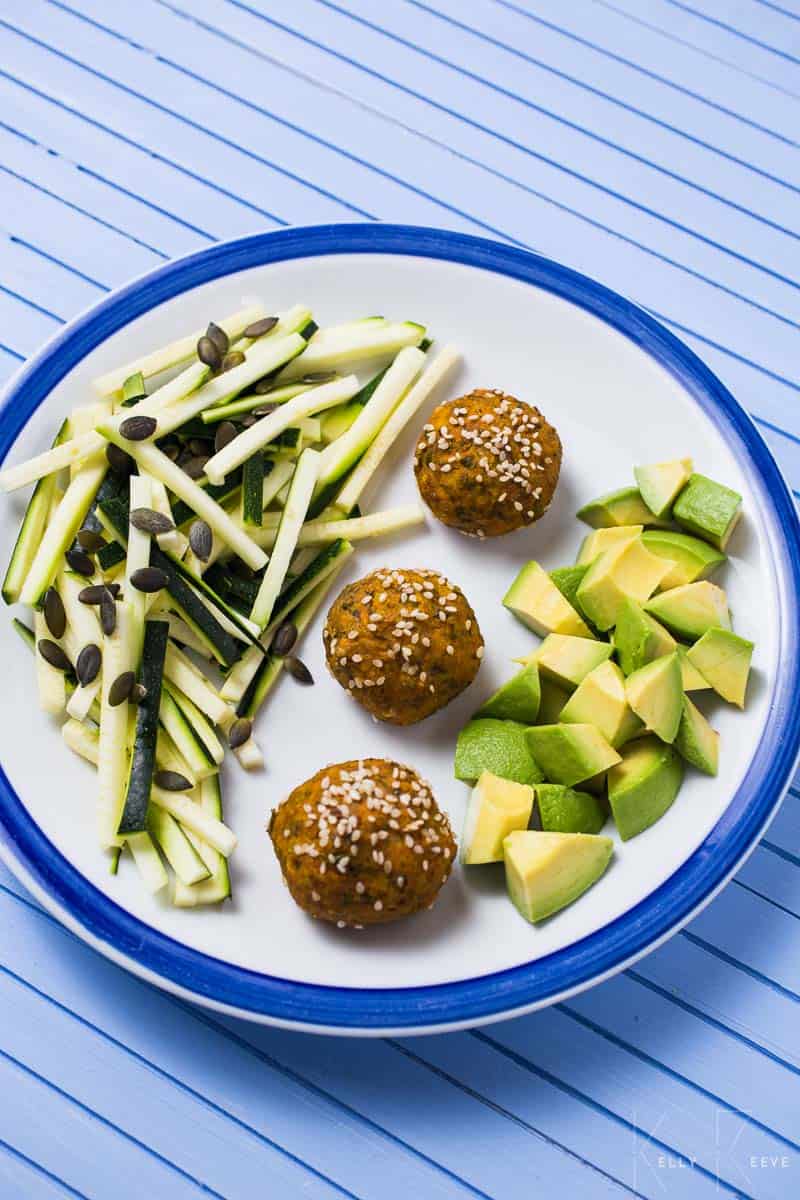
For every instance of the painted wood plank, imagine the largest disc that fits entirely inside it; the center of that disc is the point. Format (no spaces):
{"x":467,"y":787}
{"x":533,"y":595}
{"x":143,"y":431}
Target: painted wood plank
{"x":20,"y":1176}
{"x":45,"y":281}
{"x":774,"y":878}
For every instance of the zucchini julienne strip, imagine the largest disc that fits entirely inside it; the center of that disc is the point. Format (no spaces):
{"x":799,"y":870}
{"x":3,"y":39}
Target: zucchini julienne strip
{"x":140,"y":773}
{"x":218,"y":641}
{"x":417,"y":395}
{"x":253,"y":489}
{"x":138,"y":556}
{"x":62,"y":528}
{"x":148,"y":861}
{"x":181,"y":855}
{"x":149,"y":458}
{"x":218,"y":886}
{"x":201,"y":726}
{"x":190,"y":814}
{"x":173,"y":542}
{"x":297,"y":502}
{"x":183,"y":735}
{"x":246,"y":404}
{"x":83,"y":629}
{"x":112,"y":761}
{"x":30,"y":531}
{"x":189,"y":680}
{"x":176,"y":352}
{"x":50,"y":683}
{"x":349,"y":344}
{"x":268,"y":428}
{"x":328,"y":561}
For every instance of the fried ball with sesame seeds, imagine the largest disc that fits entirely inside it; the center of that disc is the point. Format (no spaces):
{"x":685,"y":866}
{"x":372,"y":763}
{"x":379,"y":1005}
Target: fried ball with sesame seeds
{"x":487,"y":463}
{"x":362,"y":843}
{"x":403,"y":643}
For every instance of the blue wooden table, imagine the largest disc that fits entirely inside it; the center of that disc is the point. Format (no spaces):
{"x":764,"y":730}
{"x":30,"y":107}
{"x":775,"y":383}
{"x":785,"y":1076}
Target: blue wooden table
{"x":650,"y":143}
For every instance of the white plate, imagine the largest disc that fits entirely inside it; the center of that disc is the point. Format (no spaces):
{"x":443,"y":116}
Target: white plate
{"x":621,"y":391}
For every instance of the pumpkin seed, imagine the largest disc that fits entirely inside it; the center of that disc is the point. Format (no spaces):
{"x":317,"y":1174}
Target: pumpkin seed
{"x":79,"y":561}
{"x":226,"y":432}
{"x":121,"y":688}
{"x":172,"y":450}
{"x":172,"y":781}
{"x":298,"y":670}
{"x":88,"y":664}
{"x":258,"y":328}
{"x":239,"y":732}
{"x":90,"y":540}
{"x":52,"y":653}
{"x":234,"y":358}
{"x":94,"y":593}
{"x":248,"y":419}
{"x":195,"y":467}
{"x":318,"y":377}
{"x":54,"y":614}
{"x":199,"y":445}
{"x":114,"y":588}
{"x":149,"y":579}
{"x":209,"y":353}
{"x":138,"y":693}
{"x":108,"y":613}
{"x":201,"y":540}
{"x":150,"y":521}
{"x":264,"y":410}
{"x":284,"y":639}
{"x":138,"y":429}
{"x":218,"y":336}
{"x":120,"y":462}
{"x":264,"y":385}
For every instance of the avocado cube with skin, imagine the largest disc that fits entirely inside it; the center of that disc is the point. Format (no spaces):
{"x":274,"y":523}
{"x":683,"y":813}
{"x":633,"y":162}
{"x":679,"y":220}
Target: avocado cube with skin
{"x":723,"y":658}
{"x":638,"y":638}
{"x":624,"y":571}
{"x":691,"y":558}
{"x":565,"y":810}
{"x":569,"y":754}
{"x":501,"y":747}
{"x":547,"y":871}
{"x":594,"y":544}
{"x":623,"y":507}
{"x":660,"y":483}
{"x":552,"y":699}
{"x":496,"y":807}
{"x":708,"y":509}
{"x":600,"y":700}
{"x":655,"y":693}
{"x":536,"y":601}
{"x":516,"y":700}
{"x":696,"y":741}
{"x":568,"y":660}
{"x":691,"y":610}
{"x":643,"y":785}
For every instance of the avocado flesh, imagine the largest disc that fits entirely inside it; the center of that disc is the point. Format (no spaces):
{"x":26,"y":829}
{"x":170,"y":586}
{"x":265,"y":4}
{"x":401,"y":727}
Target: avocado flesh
{"x":567,"y":660}
{"x":625,"y":571}
{"x":535,"y":600}
{"x":691,"y":558}
{"x":643,"y":785}
{"x":691,"y":610}
{"x":496,"y":808}
{"x":655,"y":693}
{"x":693,"y":681}
{"x":638,"y":638}
{"x":723,"y":658}
{"x":547,"y":871}
{"x":596,"y":543}
{"x":660,"y":483}
{"x":600,"y":700}
{"x":623,"y":507}
{"x":696,"y":741}
{"x":553,"y":698}
{"x":516,"y":700}
{"x":569,"y":754}
{"x":564,"y":810}
{"x":497,"y":746}
{"x":708,"y":509}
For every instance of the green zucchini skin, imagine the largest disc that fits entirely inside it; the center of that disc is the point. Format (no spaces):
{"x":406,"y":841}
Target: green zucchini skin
{"x":31,"y":530}
{"x":253,"y":489}
{"x":222,"y":644}
{"x":291,"y":594}
{"x":143,"y":759}
{"x":182,"y":514}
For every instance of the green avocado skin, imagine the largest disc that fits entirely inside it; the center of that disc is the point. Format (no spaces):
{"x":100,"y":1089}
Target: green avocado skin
{"x":516,"y":700}
{"x":501,"y":747}
{"x":565,"y":810}
{"x":643,"y":801}
{"x":707,"y":508}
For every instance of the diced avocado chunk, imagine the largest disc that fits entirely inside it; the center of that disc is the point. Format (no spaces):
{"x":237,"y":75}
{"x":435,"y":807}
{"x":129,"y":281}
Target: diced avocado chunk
{"x":643,"y":785}
{"x":691,"y":610}
{"x":496,"y":808}
{"x":564,"y":810}
{"x":553,"y":698}
{"x":723,"y":658}
{"x":600,"y":700}
{"x":497,"y":746}
{"x":626,"y":570}
{"x":569,"y":754}
{"x":691,"y":558}
{"x":655,"y":693}
{"x":697,"y":742}
{"x":638,"y":638}
{"x":623,"y":507}
{"x":517,"y":700}
{"x":693,"y":681}
{"x":547,"y":871}
{"x":660,"y":483}
{"x":568,"y":580}
{"x":708,"y":509}
{"x":594,"y":544}
{"x":536,"y":601}
{"x":568,"y":660}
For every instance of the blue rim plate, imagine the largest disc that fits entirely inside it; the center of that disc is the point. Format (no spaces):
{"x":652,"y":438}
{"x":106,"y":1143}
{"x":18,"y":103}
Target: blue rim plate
{"x":181,"y":969}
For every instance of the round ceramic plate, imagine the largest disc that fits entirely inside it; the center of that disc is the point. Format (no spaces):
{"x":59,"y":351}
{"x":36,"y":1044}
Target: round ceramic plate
{"x":621,"y":390}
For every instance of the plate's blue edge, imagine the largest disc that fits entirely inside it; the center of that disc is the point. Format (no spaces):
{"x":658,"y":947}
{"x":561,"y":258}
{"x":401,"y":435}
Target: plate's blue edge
{"x":623,"y":939}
